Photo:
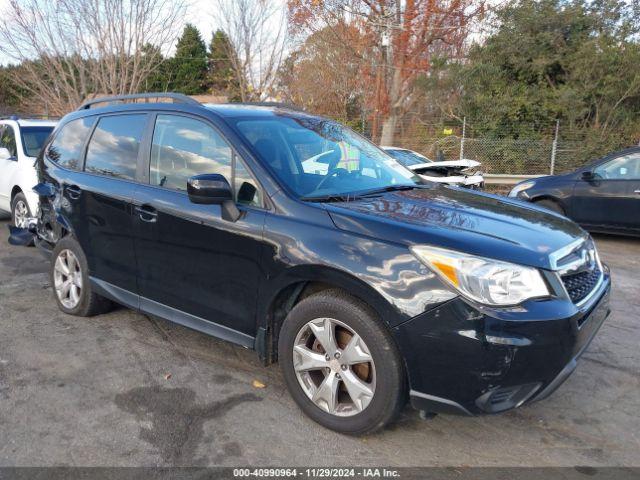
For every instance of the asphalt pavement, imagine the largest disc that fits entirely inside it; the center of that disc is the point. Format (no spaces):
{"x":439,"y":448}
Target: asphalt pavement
{"x":123,"y":389}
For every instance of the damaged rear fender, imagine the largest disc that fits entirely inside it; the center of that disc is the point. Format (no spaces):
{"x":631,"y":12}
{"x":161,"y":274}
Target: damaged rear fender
{"x":52,"y":224}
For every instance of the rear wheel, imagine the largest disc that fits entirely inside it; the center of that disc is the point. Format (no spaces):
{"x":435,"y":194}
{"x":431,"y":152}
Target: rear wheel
{"x":340,"y":364}
{"x":550,"y":205}
{"x":70,"y":279}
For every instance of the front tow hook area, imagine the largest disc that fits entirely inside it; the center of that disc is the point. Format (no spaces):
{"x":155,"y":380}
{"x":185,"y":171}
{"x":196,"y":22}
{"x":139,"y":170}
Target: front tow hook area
{"x":23,"y":236}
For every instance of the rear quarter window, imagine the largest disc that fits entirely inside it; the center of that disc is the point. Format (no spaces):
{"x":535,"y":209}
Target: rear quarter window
{"x":66,"y":147}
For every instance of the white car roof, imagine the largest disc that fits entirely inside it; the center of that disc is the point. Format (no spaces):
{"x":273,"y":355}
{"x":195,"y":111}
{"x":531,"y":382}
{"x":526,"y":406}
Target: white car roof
{"x":36,"y":123}
{"x":29,"y":122}
{"x":405,"y":150}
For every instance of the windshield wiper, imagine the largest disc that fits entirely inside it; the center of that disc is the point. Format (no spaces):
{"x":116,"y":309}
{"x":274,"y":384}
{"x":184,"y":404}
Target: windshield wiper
{"x":390,"y":188}
{"x":330,"y":198}
{"x":346,"y":197}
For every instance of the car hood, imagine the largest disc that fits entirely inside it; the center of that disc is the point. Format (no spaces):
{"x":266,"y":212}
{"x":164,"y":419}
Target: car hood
{"x":448,"y":163}
{"x":450,"y":217}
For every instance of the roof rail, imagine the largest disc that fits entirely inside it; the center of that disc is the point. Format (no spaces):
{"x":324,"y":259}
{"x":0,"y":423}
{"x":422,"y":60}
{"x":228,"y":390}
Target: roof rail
{"x":176,"y":97}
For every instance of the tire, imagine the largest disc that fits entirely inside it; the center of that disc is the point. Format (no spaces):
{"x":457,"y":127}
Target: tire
{"x":20,"y":210}
{"x":383,"y":377}
{"x":85,"y":303}
{"x":550,"y":205}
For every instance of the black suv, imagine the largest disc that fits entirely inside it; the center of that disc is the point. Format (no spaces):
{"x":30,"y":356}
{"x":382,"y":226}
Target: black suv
{"x":366,"y":283}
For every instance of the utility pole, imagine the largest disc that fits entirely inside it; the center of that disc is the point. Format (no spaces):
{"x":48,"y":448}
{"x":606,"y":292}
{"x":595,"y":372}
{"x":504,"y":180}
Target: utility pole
{"x":464,"y":133}
{"x":554,"y":148}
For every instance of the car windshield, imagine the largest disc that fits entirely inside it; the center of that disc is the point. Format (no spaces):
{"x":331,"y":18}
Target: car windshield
{"x":318,"y":158}
{"x":33,"y":139}
{"x":407,"y":157}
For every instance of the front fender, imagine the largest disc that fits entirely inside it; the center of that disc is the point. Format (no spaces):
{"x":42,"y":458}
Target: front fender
{"x":385,"y":275}
{"x":328,"y":275}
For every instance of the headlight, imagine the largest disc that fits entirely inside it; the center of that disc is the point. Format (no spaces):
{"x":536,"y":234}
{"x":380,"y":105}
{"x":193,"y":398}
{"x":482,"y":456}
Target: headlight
{"x":483,"y":280}
{"x":521,"y":187}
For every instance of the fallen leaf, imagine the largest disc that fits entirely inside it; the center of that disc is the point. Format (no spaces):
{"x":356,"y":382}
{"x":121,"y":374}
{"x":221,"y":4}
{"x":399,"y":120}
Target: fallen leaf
{"x":258,"y":384}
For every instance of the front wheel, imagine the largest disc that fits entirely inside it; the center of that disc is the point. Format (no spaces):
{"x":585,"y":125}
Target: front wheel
{"x":340,"y":363}
{"x":20,"y":212}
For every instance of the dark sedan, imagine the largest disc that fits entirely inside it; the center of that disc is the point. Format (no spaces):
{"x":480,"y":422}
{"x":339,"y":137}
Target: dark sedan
{"x":603,"y":196}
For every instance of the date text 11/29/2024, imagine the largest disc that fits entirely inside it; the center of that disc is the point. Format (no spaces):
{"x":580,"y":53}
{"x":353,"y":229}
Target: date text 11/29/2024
{"x":317,"y":472}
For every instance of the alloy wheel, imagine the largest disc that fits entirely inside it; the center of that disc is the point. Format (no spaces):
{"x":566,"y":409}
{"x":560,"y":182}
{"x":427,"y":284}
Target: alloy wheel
{"x":334,"y":367}
{"x":67,"y":278}
{"x":20,"y":214}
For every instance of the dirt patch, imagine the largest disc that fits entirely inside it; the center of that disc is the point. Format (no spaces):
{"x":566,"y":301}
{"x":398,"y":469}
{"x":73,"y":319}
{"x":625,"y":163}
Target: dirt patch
{"x":176,"y":421}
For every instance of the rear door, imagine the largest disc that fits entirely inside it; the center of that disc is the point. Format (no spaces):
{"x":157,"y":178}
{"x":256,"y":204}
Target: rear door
{"x":103,"y":197}
{"x":189,"y":258}
{"x":612,"y":198}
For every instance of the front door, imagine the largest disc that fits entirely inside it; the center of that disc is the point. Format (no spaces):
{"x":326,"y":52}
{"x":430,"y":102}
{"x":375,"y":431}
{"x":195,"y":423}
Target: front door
{"x":611,"y":199}
{"x":8,"y":166}
{"x":189,"y":257}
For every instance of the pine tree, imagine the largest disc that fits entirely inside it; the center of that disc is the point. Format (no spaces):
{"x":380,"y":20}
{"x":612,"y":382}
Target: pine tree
{"x":159,"y":79}
{"x":189,"y":64}
{"x":222,"y":78}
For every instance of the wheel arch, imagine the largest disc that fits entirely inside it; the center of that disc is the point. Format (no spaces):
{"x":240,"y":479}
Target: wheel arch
{"x":14,"y":191}
{"x":552,"y":198}
{"x":299,"y":283}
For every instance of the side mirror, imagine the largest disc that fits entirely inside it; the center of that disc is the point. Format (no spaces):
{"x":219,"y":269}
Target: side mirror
{"x":5,"y":154}
{"x":213,"y":189}
{"x":588,"y":176}
{"x":209,"y":189}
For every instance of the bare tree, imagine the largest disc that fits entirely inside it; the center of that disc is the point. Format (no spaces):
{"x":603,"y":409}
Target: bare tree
{"x":71,"y":49}
{"x":257,"y":31}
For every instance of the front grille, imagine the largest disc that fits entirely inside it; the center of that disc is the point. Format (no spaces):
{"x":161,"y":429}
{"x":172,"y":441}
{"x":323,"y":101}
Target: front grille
{"x":580,"y":285}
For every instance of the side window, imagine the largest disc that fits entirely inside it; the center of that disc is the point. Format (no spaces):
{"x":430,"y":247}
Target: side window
{"x":246,"y":189}
{"x":8,"y":139}
{"x":66,"y":147}
{"x":183,"y":147}
{"x":626,"y":167}
{"x":113,"y":148}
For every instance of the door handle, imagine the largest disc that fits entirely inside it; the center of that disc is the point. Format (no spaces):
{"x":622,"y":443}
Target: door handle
{"x":147,"y":213}
{"x":73,"y":191}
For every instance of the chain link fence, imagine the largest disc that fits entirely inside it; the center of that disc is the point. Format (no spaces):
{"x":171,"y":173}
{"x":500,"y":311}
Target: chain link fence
{"x":514,"y":150}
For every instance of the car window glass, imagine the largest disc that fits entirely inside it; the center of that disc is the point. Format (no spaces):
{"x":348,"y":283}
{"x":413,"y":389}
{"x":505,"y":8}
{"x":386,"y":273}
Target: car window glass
{"x":183,"y":147}
{"x":113,"y":148}
{"x":66,"y":147}
{"x":8,"y":140}
{"x":33,"y":139}
{"x":626,"y":167}
{"x":247,"y":190}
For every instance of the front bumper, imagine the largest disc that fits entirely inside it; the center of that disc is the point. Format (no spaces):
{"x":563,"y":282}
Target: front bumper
{"x":466,"y":361}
